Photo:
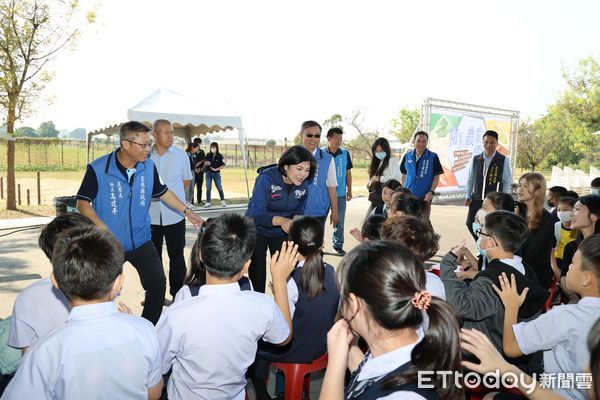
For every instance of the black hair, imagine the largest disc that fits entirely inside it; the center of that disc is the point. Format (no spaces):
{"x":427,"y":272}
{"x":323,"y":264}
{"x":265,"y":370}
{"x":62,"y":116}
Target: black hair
{"x":502,"y":201}
{"x":411,"y":206}
{"x":402,"y":189}
{"x":371,"y":228}
{"x":227,"y":243}
{"x":196,"y":276}
{"x":508,"y":228}
{"x":216,"y":145}
{"x":294,"y":156}
{"x":558,"y":191}
{"x":57,"y":226}
{"x":592,"y":202}
{"x":412,"y":233}
{"x":420,"y":133}
{"x":376,"y":167}
{"x":568,"y":200}
{"x":572,"y":193}
{"x":595,"y":183}
{"x":392,"y":184}
{"x":491,"y":133}
{"x":132,"y":129}
{"x":308,"y":233}
{"x":335,"y":130}
{"x":590,"y":256}
{"x":198,"y":140}
{"x":86,"y":261}
{"x":310,"y":124}
{"x":593,"y":343}
{"x":386,"y":276}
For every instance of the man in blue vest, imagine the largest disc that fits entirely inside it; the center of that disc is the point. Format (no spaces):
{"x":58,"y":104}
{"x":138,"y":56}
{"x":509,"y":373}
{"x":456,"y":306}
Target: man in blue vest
{"x":488,"y":172}
{"x":343,"y":171}
{"x":116,"y":192}
{"x":322,"y":189}
{"x":421,"y":168}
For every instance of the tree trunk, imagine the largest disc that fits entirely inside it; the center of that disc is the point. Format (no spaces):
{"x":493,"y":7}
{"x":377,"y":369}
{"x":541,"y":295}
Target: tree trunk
{"x":11,"y":202}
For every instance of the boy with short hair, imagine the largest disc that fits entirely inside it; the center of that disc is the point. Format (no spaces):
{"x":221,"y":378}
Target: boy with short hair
{"x":41,"y":307}
{"x":476,"y":301}
{"x":99,"y":353}
{"x":210,"y":340}
{"x":562,"y":331}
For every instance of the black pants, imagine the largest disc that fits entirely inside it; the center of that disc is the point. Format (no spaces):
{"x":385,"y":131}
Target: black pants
{"x":145,"y":260}
{"x":473,"y":208}
{"x":199,"y":181}
{"x":174,"y":235}
{"x":258,"y":267}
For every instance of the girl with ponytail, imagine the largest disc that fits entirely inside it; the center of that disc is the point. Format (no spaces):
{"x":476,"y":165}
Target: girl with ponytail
{"x":384,"y":301}
{"x":314,"y":298}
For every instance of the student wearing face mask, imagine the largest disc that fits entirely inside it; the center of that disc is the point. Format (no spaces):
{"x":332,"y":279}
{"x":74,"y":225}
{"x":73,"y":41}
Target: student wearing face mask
{"x":562,"y":232}
{"x":383,"y":167}
{"x":213,"y":164}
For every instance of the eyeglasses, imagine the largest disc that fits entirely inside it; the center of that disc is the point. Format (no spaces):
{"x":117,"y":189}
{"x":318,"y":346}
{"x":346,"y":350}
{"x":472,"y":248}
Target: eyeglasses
{"x":310,"y":136}
{"x":142,"y":145}
{"x":479,"y":233}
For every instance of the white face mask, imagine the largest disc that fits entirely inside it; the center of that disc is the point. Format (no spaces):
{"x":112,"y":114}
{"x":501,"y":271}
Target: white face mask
{"x":480,"y":216}
{"x":565,"y":216}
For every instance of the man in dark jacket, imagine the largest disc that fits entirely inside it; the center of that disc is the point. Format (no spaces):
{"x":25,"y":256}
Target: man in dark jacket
{"x":488,"y":172}
{"x":199,"y":170}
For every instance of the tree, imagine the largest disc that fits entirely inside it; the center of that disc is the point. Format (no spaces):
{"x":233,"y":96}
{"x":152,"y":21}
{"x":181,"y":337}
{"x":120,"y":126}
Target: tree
{"x":271,"y":143}
{"x":405,"y":124}
{"x":534,"y":143}
{"x":26,"y":131}
{"x":78,"y":134}
{"x":335,"y":120}
{"x":47,"y":130}
{"x":32,"y":33}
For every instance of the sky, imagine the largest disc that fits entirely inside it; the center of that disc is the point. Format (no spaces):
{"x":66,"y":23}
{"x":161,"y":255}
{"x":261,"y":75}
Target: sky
{"x":279,"y":63}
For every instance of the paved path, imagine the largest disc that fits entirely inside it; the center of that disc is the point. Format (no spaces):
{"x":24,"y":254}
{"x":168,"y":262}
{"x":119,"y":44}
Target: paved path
{"x":22,"y":262}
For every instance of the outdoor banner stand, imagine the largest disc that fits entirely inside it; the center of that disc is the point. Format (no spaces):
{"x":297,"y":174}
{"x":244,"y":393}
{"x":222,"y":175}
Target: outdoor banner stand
{"x":455,"y":134}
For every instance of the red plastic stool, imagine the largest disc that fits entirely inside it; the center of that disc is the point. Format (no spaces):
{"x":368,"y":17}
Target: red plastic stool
{"x":296,"y":376}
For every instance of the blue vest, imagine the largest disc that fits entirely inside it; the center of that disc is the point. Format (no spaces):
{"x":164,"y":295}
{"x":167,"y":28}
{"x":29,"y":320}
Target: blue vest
{"x":341,"y":166}
{"x":317,"y":202}
{"x":121,"y":205}
{"x":419,"y":174}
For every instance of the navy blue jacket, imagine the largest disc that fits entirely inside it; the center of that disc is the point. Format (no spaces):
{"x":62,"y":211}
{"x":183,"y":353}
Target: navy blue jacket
{"x":273,"y":197}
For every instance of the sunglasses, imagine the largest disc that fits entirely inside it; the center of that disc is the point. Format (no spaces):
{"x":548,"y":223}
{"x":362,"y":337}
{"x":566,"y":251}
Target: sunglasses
{"x":310,"y":136}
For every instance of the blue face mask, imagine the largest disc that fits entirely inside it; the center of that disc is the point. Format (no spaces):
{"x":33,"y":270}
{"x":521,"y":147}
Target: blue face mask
{"x":594,"y":191}
{"x":481,"y":251}
{"x":476,"y":226}
{"x":380,"y":155}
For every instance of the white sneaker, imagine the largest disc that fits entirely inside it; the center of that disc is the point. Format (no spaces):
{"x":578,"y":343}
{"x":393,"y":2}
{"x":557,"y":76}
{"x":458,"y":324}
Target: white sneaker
{"x":207,"y":205}
{"x":223,"y":203}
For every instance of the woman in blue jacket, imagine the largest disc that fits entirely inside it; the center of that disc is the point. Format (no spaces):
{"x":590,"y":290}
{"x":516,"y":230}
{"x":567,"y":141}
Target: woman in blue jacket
{"x":279,"y":195}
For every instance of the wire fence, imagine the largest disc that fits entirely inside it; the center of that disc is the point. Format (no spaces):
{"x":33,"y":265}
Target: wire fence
{"x":56,"y":154}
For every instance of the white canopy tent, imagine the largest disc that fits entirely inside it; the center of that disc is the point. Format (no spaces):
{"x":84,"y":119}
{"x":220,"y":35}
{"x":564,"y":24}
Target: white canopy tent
{"x":189,"y":117}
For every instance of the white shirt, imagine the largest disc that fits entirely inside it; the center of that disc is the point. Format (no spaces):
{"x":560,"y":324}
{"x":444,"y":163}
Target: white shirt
{"x":392,"y":171}
{"x":38,"y":309}
{"x":331,"y":176}
{"x":435,"y":286}
{"x":99,"y":353}
{"x":562,"y":333}
{"x":211,"y":340}
{"x":386,"y":363}
{"x":173,"y":167}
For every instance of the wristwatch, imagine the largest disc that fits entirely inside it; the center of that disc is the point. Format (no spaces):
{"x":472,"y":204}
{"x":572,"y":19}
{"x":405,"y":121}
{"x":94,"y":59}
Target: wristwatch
{"x":185,"y":209}
{"x":432,"y":191}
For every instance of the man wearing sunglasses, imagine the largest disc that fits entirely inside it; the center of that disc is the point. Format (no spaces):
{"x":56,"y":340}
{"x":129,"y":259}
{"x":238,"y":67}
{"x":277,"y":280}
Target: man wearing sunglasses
{"x":322,"y":189}
{"x":116,"y":192}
